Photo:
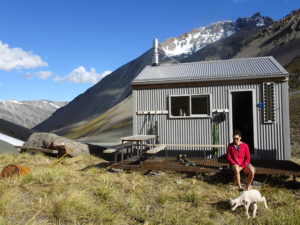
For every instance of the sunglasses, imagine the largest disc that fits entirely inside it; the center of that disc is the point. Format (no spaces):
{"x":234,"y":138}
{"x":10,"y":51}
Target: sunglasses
{"x":236,"y":138}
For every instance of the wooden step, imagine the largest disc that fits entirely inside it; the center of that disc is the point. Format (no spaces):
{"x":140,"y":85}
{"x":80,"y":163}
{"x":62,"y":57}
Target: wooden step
{"x":110,"y":150}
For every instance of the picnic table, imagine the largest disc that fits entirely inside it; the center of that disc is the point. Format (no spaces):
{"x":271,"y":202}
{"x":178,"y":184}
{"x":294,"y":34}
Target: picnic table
{"x":119,"y":148}
{"x":140,"y":141}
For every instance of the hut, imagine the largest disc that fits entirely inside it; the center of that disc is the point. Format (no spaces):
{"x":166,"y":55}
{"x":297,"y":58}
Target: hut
{"x":200,"y":104}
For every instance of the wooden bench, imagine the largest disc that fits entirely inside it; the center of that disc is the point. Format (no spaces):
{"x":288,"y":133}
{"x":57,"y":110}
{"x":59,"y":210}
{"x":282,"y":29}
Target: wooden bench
{"x":117,"y":148}
{"x":157,"y":149}
{"x":44,"y":150}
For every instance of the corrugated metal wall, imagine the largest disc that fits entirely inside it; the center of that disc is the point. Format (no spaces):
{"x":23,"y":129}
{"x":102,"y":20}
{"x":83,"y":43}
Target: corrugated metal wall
{"x":269,"y":141}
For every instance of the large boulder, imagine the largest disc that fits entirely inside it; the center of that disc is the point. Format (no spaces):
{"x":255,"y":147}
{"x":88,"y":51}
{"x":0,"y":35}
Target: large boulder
{"x":53,"y":141}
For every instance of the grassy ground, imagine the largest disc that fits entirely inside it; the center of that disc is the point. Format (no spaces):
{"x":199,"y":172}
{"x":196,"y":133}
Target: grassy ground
{"x":81,"y":191}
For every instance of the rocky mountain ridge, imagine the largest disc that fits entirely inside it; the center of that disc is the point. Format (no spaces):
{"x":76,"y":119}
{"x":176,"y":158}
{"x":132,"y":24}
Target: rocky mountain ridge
{"x":191,"y":42}
{"x":28,"y":113}
{"x":280,"y":40}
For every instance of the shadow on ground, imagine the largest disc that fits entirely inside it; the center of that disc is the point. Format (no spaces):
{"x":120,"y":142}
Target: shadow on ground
{"x":278,"y":181}
{"x":259,"y":180}
{"x":213,"y":178}
{"x":221,"y":205}
{"x":96,"y":150}
{"x":98,"y":166}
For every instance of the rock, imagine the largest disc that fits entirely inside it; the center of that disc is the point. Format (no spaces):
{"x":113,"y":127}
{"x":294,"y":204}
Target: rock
{"x":198,"y":176}
{"x":53,"y":141}
{"x":154,"y":173}
{"x":114,"y":170}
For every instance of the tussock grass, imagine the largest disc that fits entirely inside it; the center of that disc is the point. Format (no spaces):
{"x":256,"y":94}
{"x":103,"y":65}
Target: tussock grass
{"x":47,"y":176}
{"x":80,"y":191}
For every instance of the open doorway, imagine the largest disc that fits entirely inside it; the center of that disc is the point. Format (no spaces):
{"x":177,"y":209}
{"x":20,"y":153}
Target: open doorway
{"x":242,"y":116}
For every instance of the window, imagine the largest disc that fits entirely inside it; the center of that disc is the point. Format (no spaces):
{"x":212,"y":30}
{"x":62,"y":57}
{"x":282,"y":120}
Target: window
{"x":180,"y":106}
{"x":190,"y":106}
{"x":200,"y":105}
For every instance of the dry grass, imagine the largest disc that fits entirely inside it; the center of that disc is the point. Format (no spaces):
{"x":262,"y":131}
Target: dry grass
{"x":81,"y":191}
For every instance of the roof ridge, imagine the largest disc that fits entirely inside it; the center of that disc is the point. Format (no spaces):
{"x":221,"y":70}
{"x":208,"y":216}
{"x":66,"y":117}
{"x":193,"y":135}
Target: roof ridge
{"x":211,"y":61}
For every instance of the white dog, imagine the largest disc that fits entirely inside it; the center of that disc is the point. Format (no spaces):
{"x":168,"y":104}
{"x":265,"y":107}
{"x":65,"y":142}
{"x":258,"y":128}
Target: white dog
{"x":246,"y":198}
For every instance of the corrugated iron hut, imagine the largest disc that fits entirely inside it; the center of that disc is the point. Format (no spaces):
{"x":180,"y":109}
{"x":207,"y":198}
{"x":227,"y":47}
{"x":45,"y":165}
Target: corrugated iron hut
{"x":202,"y":103}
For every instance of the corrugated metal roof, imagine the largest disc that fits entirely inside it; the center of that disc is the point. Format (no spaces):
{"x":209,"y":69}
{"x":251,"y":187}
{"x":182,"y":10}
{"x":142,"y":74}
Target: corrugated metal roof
{"x":246,"y":68}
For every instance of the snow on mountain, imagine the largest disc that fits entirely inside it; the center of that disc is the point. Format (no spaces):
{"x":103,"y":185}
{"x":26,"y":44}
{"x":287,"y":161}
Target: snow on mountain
{"x":15,"y":102}
{"x":261,"y":22}
{"x":193,"y":41}
{"x":198,"y":38}
{"x":28,"y":113}
{"x":55,"y":106}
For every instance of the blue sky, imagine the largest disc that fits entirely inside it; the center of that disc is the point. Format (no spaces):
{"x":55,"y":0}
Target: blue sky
{"x":56,"y":49}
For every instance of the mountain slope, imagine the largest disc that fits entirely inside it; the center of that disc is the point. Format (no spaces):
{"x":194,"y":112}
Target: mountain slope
{"x":104,"y":95}
{"x":108,"y":127}
{"x":28,"y":113}
{"x":14,"y":130}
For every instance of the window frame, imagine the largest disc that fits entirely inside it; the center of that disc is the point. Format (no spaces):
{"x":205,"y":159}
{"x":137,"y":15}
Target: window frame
{"x":209,"y":115}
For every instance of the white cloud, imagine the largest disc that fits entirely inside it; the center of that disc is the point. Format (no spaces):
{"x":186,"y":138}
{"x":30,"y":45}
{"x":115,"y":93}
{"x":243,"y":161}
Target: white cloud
{"x":81,"y":75}
{"x":17,"y":58}
{"x":28,"y":76}
{"x":43,"y":75}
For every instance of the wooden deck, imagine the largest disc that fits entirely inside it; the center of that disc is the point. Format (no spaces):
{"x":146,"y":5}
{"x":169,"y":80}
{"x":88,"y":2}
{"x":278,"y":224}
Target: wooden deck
{"x":197,"y":165}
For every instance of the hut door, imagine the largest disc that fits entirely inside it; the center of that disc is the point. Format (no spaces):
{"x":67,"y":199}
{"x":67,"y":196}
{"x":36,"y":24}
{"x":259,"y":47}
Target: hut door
{"x":242,"y":116}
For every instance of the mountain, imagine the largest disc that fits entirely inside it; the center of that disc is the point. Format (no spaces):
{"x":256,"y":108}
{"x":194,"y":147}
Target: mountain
{"x":28,"y":113}
{"x":221,"y":40}
{"x":281,"y":40}
{"x":191,"y":42}
{"x":14,"y":130}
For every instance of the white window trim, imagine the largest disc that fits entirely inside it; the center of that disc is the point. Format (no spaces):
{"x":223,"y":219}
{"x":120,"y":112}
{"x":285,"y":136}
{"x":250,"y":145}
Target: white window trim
{"x":190,"y":105}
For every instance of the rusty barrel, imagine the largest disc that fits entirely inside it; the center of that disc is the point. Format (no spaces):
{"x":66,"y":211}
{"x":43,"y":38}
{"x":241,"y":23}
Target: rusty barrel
{"x":14,"y":170}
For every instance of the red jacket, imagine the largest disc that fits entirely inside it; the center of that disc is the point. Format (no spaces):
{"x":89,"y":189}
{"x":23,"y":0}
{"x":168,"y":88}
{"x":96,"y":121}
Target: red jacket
{"x":239,"y":157}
